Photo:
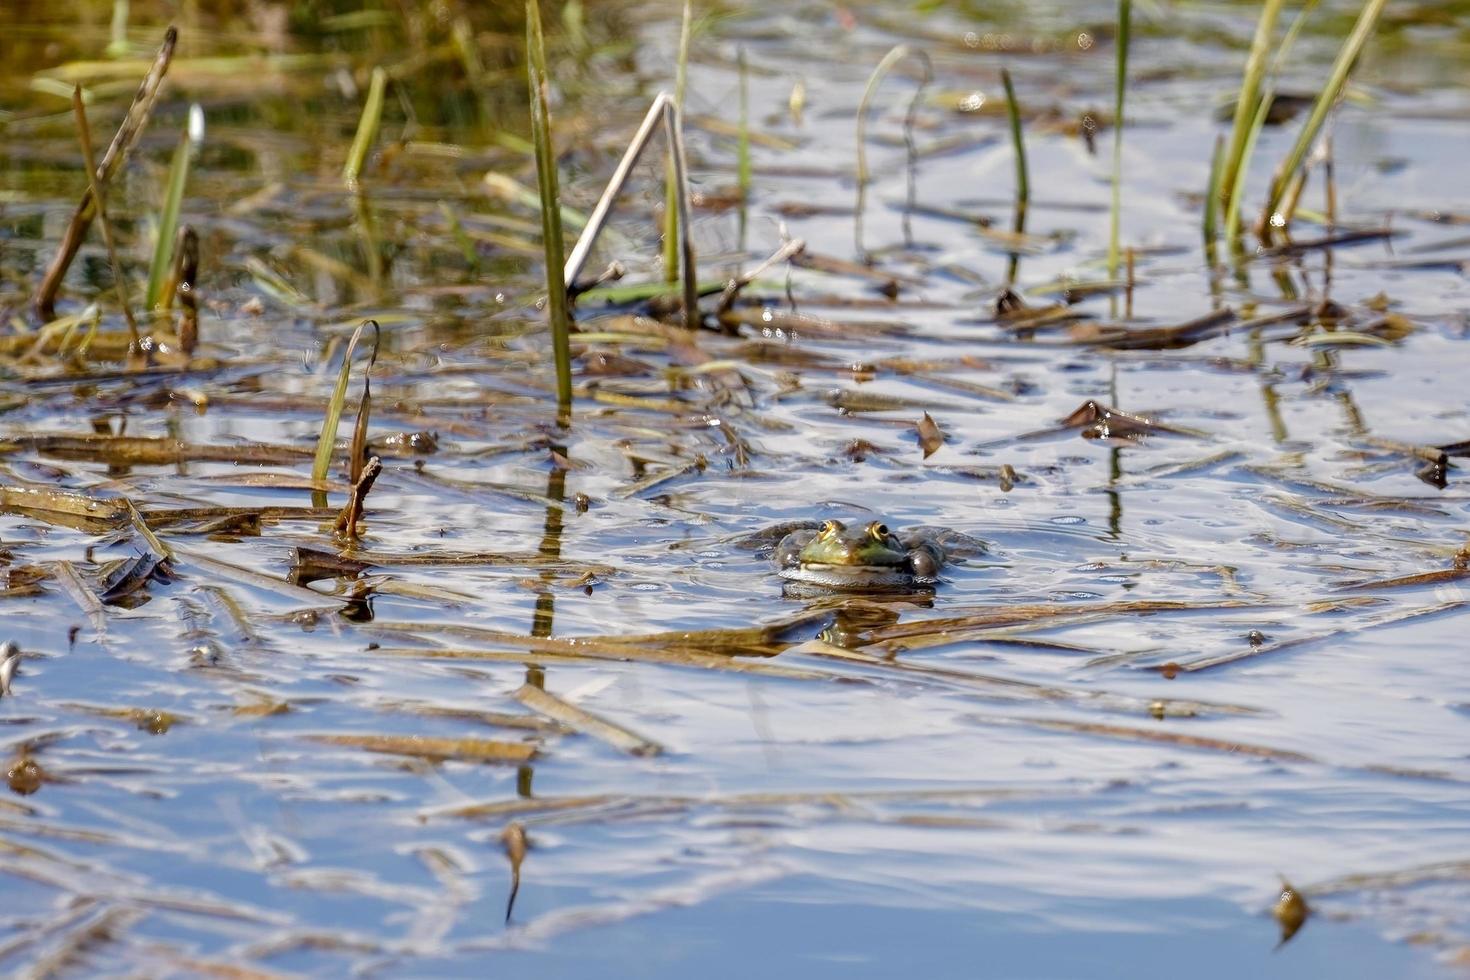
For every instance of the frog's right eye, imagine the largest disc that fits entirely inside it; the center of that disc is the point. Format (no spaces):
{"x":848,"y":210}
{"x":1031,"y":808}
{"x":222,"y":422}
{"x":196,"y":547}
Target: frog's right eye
{"x":831,"y":527}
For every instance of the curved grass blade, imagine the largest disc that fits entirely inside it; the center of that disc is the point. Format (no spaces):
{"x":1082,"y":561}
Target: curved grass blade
{"x":328,"y":438}
{"x":893,"y":57}
{"x":1023,"y":184}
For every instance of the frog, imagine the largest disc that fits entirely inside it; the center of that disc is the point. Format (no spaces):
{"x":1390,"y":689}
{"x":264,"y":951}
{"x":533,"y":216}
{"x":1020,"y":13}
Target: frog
{"x":871,"y":558}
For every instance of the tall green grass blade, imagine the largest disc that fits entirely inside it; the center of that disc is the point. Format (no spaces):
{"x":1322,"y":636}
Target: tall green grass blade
{"x":671,"y":188}
{"x":328,"y":438}
{"x":551,"y":232}
{"x":1352,"y":47}
{"x":1125,"y":16}
{"x":367,"y":128}
{"x":168,"y":223}
{"x":1253,"y":132}
{"x":1249,"y":96}
{"x":1023,"y":183}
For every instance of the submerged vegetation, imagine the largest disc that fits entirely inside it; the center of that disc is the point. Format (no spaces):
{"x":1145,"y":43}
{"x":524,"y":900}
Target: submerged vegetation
{"x":1183,"y":573}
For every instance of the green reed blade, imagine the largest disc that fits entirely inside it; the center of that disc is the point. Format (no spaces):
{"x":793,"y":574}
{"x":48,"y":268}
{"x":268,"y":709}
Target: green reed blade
{"x":1023,"y":184}
{"x":1125,"y":15}
{"x":551,"y":231}
{"x":1257,"y":123}
{"x":1352,"y":47}
{"x":367,"y":128}
{"x":671,"y":189}
{"x":168,"y":223}
{"x":328,"y":438}
{"x":1249,"y":96}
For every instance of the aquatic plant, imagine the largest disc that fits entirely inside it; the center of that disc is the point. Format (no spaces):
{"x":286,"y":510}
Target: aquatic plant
{"x":551,"y":231}
{"x":1120,"y":89}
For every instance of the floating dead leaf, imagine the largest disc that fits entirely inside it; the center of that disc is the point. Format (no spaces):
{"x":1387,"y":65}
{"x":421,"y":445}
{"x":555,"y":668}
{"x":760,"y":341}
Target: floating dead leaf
{"x":435,"y":749}
{"x":930,"y":436}
{"x":513,"y":838}
{"x":1290,"y":911}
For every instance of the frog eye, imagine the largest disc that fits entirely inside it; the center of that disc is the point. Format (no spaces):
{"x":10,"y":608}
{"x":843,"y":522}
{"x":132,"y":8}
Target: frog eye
{"x":878,"y":531}
{"x":831,"y":527}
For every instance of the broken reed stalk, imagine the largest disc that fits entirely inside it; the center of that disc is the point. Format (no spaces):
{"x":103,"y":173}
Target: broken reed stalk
{"x":328,"y":438}
{"x":1023,"y":184}
{"x":351,"y":514}
{"x":168,"y":223}
{"x":1125,"y":14}
{"x":43,"y":302}
{"x":184,"y":279}
{"x":551,"y":232}
{"x":99,"y":195}
{"x":671,"y":187}
{"x":663,"y":110}
{"x":367,"y":129}
{"x":1271,"y":218}
{"x":893,"y":57}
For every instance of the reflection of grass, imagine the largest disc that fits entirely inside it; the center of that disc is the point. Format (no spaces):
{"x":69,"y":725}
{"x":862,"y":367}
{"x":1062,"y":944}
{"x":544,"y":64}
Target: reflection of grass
{"x":551,"y":233}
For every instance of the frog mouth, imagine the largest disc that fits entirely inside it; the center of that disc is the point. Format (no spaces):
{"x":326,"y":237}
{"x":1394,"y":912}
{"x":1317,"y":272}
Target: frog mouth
{"x":860,"y":577}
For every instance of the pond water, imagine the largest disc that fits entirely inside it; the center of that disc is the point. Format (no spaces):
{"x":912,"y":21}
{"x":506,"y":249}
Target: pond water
{"x":1213,"y":641}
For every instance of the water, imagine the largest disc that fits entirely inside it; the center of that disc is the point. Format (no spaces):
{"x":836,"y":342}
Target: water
{"x":1009,"y":800}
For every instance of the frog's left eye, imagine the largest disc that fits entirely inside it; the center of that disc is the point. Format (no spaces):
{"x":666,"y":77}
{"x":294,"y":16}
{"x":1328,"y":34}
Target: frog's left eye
{"x":878,"y":531}
{"x":830,"y":528}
